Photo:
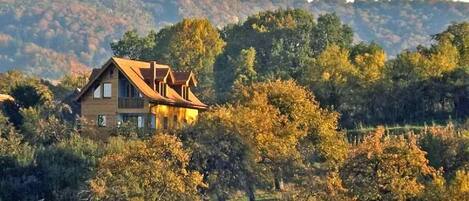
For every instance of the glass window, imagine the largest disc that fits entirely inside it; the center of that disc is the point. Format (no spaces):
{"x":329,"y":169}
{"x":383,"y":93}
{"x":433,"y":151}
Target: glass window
{"x":107,"y":90}
{"x":140,"y":121}
{"x":175,"y":121}
{"x":97,"y":92}
{"x":152,"y":121}
{"x":101,"y":120}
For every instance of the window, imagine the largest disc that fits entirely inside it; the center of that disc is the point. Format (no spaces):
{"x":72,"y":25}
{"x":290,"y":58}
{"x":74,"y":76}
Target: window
{"x":175,"y":121}
{"x":101,"y":121}
{"x":97,"y":92}
{"x":119,"y":120}
{"x":165,"y":123}
{"x":153,"y":121}
{"x":140,"y":121}
{"x":107,"y":90}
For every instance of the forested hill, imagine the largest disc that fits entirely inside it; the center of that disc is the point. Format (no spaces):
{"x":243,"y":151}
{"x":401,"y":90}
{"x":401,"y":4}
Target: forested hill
{"x":52,"y":37}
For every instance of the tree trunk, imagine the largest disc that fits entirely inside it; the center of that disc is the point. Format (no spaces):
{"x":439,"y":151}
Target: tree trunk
{"x":278,"y":183}
{"x":278,"y":180}
{"x":250,"y":191}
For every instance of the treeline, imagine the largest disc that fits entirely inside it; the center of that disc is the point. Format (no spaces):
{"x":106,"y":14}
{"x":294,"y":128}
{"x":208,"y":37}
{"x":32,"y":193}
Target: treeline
{"x":49,"y":38}
{"x":282,"y":86}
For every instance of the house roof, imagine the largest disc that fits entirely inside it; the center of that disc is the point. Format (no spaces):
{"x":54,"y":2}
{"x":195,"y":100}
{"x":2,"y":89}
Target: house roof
{"x":138,"y":72}
{"x":187,"y":78}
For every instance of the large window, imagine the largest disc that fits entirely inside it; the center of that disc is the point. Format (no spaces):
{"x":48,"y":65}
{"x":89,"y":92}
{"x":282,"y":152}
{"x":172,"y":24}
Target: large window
{"x":101,"y":121}
{"x":97,"y":92}
{"x":107,"y":90}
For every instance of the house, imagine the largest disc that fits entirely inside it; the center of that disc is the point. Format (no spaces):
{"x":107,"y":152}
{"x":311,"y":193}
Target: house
{"x":148,"y":94}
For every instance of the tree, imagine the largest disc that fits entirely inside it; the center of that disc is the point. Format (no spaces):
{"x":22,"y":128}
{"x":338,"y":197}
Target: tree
{"x":226,"y":158}
{"x":386,"y":169}
{"x":65,"y":168}
{"x":330,"y":30}
{"x":17,"y":180}
{"x":370,"y":60}
{"x":146,"y":170}
{"x":281,"y":40}
{"x":30,"y":94}
{"x":274,"y":128}
{"x":330,"y":75}
{"x":190,"y":45}
{"x":457,"y":34}
{"x":446,"y":150}
{"x":245,"y":72}
{"x":135,"y":47}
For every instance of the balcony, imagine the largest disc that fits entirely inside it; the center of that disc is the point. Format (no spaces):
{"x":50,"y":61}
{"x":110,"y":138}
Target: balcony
{"x":130,"y":103}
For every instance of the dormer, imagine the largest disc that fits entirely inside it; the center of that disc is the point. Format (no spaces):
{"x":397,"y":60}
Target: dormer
{"x":161,"y":77}
{"x":183,"y":81}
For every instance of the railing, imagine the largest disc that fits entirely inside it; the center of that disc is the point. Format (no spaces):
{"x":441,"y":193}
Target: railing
{"x":130,"y":102}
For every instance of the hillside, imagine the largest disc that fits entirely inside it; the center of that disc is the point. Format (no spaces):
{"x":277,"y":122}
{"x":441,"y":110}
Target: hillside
{"x":52,"y":37}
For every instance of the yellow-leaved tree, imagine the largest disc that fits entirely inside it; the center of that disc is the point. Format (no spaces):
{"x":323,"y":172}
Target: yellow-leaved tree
{"x":386,"y":168}
{"x":156,"y":169}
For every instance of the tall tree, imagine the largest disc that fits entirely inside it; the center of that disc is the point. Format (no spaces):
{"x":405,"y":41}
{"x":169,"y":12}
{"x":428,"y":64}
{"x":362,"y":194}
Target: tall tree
{"x":192,"y":44}
{"x":330,"y":30}
{"x":280,"y":38}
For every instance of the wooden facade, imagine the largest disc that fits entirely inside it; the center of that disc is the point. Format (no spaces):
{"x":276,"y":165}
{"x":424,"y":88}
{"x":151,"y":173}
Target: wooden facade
{"x":135,"y":96}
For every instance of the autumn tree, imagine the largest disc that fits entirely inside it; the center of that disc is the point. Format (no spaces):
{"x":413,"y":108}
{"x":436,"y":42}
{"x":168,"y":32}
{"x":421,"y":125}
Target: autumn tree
{"x":370,"y":60}
{"x":330,"y":75}
{"x":146,"y":170}
{"x":274,"y":128}
{"x":386,"y":168}
{"x":457,"y":35}
{"x":190,"y":45}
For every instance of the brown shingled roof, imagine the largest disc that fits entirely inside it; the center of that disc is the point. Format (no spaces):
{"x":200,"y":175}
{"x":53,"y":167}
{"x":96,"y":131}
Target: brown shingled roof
{"x":137,"y":72}
{"x":184,"y":78}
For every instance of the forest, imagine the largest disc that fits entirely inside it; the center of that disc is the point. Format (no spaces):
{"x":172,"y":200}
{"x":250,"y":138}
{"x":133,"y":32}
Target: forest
{"x":299,"y":110}
{"x":49,"y":38}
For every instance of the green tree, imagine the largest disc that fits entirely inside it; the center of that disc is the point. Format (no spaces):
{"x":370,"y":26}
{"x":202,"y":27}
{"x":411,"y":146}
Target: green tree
{"x":133,"y":46}
{"x":17,"y":180}
{"x":280,"y":38}
{"x":65,"y":168}
{"x":330,"y":30}
{"x":190,"y":45}
{"x":30,"y":94}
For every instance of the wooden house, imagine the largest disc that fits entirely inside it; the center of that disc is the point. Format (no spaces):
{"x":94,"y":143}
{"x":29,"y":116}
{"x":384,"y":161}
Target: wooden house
{"x":148,"y":94}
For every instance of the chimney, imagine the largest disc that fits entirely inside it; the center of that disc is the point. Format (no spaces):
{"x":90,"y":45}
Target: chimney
{"x":153,"y":79}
